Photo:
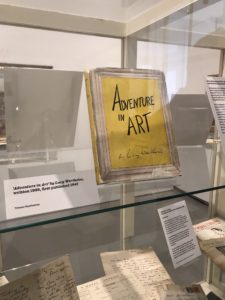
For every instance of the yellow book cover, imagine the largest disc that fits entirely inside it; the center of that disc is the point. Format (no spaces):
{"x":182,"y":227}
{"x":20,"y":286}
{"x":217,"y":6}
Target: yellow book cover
{"x":131,"y":125}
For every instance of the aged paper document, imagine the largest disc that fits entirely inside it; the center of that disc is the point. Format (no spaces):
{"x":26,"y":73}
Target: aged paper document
{"x":3,"y":280}
{"x":117,"y":286}
{"x":143,"y":264}
{"x":210,"y":229}
{"x":51,"y":282}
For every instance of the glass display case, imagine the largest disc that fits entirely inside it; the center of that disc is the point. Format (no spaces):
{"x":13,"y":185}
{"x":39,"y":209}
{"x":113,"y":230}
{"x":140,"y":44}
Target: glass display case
{"x":45,"y":130}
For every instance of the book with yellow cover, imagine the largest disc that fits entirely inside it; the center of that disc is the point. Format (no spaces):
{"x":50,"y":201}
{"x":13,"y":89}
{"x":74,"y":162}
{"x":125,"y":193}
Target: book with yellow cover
{"x":131,"y":125}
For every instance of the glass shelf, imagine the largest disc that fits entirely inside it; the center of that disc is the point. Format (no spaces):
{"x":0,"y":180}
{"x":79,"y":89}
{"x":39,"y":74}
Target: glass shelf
{"x":86,"y":238}
{"x":64,"y":215}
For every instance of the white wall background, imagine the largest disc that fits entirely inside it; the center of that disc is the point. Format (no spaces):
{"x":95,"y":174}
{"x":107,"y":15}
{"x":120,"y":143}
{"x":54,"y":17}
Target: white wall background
{"x":185,"y":67}
{"x":63,"y":51}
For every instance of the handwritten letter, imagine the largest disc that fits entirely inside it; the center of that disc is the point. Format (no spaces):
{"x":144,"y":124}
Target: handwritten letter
{"x":53,"y":281}
{"x":118,"y":286}
{"x":143,"y":264}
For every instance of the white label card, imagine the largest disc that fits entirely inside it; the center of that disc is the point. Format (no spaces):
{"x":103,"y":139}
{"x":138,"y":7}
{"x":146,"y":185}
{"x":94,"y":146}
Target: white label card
{"x":41,"y":194}
{"x":180,"y":237}
{"x":216,"y":93}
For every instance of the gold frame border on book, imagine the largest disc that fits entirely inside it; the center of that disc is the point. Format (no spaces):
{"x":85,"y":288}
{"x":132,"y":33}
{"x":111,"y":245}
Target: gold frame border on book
{"x":132,"y":138}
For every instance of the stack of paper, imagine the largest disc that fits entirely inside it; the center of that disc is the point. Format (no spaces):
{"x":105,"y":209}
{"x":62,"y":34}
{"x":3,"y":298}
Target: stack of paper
{"x":211,"y":235}
{"x":210,"y":229}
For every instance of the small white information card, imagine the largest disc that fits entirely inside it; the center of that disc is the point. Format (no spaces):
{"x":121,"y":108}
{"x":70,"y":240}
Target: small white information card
{"x":215,"y":88}
{"x":180,"y":237}
{"x":41,"y":194}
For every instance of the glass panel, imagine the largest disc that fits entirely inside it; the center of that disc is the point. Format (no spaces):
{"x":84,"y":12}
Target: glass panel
{"x":184,"y":67}
{"x":199,"y":24}
{"x":186,"y":46}
{"x":105,"y":206}
{"x":46,"y":116}
{"x":87,"y":237}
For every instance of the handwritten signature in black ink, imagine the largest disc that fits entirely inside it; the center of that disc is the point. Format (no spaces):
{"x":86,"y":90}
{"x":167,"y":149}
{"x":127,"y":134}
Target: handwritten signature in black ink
{"x":139,"y":153}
